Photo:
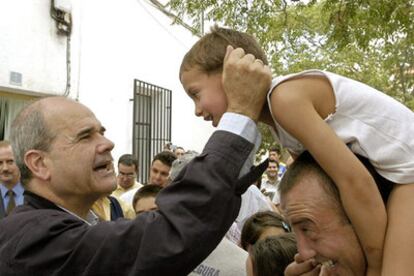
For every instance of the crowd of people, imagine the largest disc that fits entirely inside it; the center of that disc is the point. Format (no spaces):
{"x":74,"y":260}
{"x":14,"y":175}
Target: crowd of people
{"x":332,"y":197}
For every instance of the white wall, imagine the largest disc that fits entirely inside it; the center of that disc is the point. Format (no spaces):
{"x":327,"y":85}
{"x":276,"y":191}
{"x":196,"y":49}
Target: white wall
{"x":113,"y":42}
{"x":123,"y":40}
{"x":29,"y":45}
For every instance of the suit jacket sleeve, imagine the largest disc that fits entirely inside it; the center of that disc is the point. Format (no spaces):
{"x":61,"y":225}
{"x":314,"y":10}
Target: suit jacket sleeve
{"x":195,"y":211}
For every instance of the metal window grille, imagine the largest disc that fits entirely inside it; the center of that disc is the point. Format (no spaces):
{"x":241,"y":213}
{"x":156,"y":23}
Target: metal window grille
{"x":152,"y":124}
{"x":3,"y":116}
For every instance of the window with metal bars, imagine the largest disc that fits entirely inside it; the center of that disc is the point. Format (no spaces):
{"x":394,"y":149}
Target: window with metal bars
{"x":151,"y":124}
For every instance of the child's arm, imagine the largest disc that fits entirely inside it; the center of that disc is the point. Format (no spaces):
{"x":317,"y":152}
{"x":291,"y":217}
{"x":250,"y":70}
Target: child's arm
{"x":299,"y":106}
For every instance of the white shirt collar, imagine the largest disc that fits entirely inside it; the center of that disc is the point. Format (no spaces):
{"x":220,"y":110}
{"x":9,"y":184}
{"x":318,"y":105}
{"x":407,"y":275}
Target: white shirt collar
{"x":91,"y":218}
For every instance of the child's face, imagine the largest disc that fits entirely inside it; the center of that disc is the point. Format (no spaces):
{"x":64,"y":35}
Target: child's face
{"x":207,"y":93}
{"x":145,"y":204}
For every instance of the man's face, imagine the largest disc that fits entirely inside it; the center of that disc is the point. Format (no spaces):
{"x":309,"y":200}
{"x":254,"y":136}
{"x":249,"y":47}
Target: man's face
{"x":322,"y":232}
{"x":126,"y":176}
{"x":145,"y":204}
{"x":207,"y":93}
{"x":9,"y":172}
{"x":179,"y":153}
{"x":272,"y":170}
{"x":273,"y":155}
{"x":79,"y":159}
{"x":159,"y":173}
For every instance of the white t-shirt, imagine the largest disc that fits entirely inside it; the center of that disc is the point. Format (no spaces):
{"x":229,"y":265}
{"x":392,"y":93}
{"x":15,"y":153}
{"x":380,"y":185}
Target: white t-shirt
{"x":370,"y":122}
{"x":128,"y":197}
{"x":252,"y":201}
{"x":272,"y":190}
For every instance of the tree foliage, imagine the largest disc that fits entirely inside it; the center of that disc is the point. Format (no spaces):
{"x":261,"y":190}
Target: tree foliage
{"x":368,"y":40}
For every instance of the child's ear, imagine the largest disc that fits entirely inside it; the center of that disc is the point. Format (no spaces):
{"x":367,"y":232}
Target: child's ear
{"x":36,"y":161}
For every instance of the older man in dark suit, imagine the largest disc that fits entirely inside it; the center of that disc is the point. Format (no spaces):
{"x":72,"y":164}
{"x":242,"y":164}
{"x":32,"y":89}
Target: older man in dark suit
{"x":10,"y":187}
{"x":66,"y":164}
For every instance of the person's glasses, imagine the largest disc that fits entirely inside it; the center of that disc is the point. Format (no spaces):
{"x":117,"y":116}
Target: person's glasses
{"x":127,"y":175}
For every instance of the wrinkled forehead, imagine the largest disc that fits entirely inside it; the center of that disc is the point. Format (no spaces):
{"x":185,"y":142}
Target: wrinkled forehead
{"x":272,"y":165}
{"x":63,"y":114}
{"x":273,"y":152}
{"x":6,"y":153}
{"x":307,"y":190}
{"x":6,"y":149}
{"x":61,"y":107}
{"x":126,"y":168}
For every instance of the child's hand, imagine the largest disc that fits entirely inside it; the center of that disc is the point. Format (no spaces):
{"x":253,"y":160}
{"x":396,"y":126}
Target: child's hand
{"x":246,"y":81}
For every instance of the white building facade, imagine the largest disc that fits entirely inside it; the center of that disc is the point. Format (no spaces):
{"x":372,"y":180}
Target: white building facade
{"x":112,"y":43}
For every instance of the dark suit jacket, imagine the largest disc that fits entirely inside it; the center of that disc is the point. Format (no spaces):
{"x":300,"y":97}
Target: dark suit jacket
{"x":195,"y":211}
{"x":2,"y":210}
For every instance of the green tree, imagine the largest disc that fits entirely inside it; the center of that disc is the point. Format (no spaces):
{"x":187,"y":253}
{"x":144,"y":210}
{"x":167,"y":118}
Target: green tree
{"x":368,"y":40}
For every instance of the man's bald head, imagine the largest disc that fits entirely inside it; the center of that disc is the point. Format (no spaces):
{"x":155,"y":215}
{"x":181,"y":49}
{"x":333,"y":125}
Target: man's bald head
{"x":305,"y":166}
{"x":30,"y":130}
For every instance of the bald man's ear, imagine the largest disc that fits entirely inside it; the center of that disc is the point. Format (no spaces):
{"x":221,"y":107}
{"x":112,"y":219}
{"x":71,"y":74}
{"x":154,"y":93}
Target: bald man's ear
{"x":36,"y":161}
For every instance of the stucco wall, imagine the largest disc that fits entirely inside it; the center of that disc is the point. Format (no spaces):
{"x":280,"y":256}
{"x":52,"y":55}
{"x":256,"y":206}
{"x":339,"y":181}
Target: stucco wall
{"x":113,"y":42}
{"x":30,"y":45}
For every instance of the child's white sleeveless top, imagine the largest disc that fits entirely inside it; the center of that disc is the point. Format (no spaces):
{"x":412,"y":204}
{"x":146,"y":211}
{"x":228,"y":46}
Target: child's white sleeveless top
{"x":371,"y":123}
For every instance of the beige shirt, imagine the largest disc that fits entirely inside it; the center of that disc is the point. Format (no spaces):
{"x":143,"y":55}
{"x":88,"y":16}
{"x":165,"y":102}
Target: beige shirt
{"x":120,"y":191}
{"x":102,"y":208}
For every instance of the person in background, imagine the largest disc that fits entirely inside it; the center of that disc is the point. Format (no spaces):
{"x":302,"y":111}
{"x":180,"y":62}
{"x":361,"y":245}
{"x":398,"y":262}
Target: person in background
{"x":127,"y":175}
{"x":160,"y":168}
{"x":270,"y":185}
{"x":159,"y":174}
{"x":168,"y":146}
{"x":271,"y":256}
{"x":275,"y":154}
{"x":262,"y":225}
{"x":179,"y":152}
{"x":110,"y":208}
{"x":144,"y":198}
{"x":10,"y":186}
{"x":179,"y":163}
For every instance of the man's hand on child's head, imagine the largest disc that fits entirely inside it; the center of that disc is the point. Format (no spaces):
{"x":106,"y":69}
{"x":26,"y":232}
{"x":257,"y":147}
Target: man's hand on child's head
{"x":246,"y":81}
